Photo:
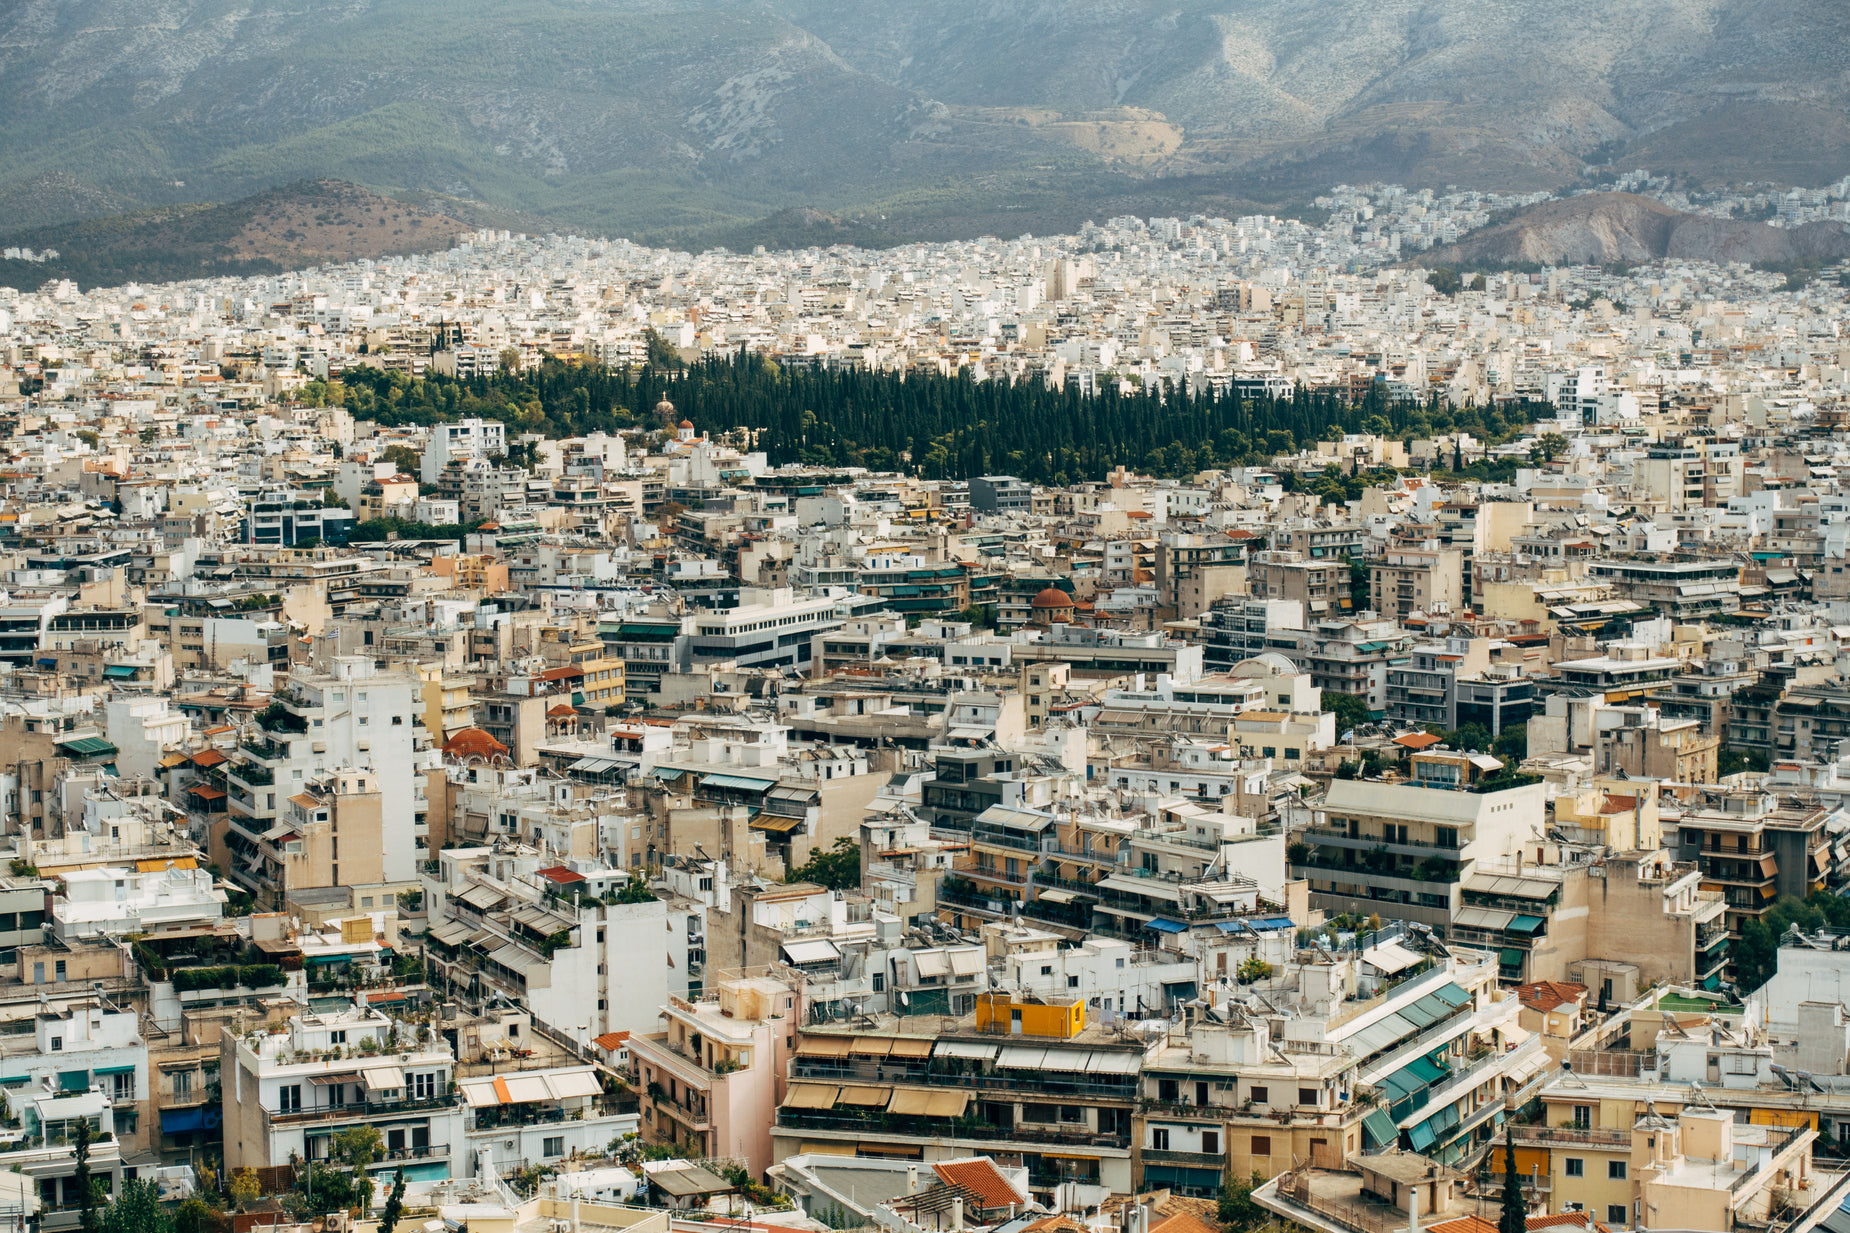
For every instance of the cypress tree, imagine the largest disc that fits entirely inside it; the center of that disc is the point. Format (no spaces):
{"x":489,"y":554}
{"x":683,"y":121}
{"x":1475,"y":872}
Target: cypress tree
{"x":1514,"y":1217}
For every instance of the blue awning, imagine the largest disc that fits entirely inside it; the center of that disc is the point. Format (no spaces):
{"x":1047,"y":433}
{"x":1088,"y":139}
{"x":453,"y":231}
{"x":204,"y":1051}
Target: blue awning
{"x":181,"y":1121}
{"x":119,"y":670}
{"x":1165,"y":926}
{"x":49,"y":661}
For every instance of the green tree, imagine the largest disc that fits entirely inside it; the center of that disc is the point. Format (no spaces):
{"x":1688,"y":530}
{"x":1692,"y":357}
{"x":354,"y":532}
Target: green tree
{"x":1513,"y":1216}
{"x":244,"y":1188}
{"x":1512,"y":744}
{"x":138,"y":1209}
{"x":837,"y":869}
{"x":1553,"y":445}
{"x":661,"y":352}
{"x":1237,"y":1211}
{"x":89,"y":1219}
{"x":394,"y":1205}
{"x":406,"y":459}
{"x":1253,"y":969}
{"x":149,"y":434}
{"x":1350,"y":711}
{"x":1444,"y":280}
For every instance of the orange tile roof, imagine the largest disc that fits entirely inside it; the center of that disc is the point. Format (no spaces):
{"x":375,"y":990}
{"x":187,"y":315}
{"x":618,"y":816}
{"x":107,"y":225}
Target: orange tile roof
{"x":611,"y":1040}
{"x":1548,"y":994}
{"x":981,"y":1179}
{"x":1417,"y":740}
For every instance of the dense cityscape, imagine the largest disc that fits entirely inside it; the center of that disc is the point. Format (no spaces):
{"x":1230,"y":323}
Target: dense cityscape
{"x":1192,"y":725}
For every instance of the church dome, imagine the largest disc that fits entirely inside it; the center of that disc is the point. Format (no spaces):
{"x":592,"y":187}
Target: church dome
{"x":1052,"y":597}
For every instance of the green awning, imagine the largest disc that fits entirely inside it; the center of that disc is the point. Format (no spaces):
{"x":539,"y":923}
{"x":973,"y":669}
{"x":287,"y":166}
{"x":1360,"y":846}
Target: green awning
{"x":738,"y":781}
{"x":1426,"y":1070}
{"x":113,"y":1070}
{"x":73,"y":1081}
{"x":119,"y":671}
{"x":88,"y":746}
{"x":1378,"y":1129}
{"x":1452,"y":995}
{"x":1425,"y":1012}
{"x":1510,"y":957}
{"x":1420,"y":1136}
{"x":1525,"y":926}
{"x":1399,"y":1086}
{"x":1712,"y":982}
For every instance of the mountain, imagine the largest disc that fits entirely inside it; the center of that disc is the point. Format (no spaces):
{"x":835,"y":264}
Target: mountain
{"x":1599,"y":228}
{"x":312,"y":222}
{"x":684,"y":120}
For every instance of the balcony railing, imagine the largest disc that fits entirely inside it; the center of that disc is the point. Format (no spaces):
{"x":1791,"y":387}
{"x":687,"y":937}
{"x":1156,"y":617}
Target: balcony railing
{"x":365,"y":1110}
{"x":885,"y":1125}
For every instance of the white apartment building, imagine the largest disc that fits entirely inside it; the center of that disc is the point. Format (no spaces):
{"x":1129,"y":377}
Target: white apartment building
{"x":350,"y":716}
{"x":465,"y":439}
{"x":120,"y":900}
{"x":288,"y":1090}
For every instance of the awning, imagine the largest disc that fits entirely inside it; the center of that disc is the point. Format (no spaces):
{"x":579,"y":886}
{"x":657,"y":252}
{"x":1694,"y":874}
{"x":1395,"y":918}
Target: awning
{"x":384,"y":1079}
{"x":351,"y":1076}
{"x":48,"y":661}
{"x":865,"y":1096}
{"x":113,"y":1070}
{"x":481,"y":1095}
{"x":1378,"y":1129}
{"x":931,"y":962}
{"x":73,"y":1081}
{"x":771,"y":822}
{"x":206,"y":793}
{"x":911,"y":1048}
{"x":1526,"y":926}
{"x":825,"y":1046}
{"x":1510,"y":957}
{"x":1057,"y":896}
{"x":1421,"y":1137}
{"x":976,"y":1050}
{"x":183,"y":1121}
{"x":1165,"y":926}
{"x":871,"y":1046}
{"x":948,"y":1104}
{"x":816,"y":950}
{"x":571,"y":1084}
{"x":526,"y":1089}
{"x":1452,"y":995}
{"x":737,"y":781}
{"x":910,"y":1101}
{"x":88,"y":746}
{"x":811,"y":1096}
{"x":965,"y":962}
{"x":1067,"y":1060}
{"x":1020,"y":1057}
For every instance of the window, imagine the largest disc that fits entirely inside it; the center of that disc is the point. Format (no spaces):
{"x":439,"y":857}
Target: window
{"x":57,"y":1044}
{"x":289,"y":1099}
{"x":124,"y":1086}
{"x":1047,"y":969}
{"x":423,"y":1086}
{"x":1072,"y":982}
{"x":553,"y":1145}
{"x":182,"y":1084}
{"x":1257,"y":1095}
{"x":1210,"y":1142}
{"x":1159,"y":1138}
{"x":1573,"y":1166}
{"x":337,"y":1038}
{"x":1615,"y":1213}
{"x":1583,"y":1117}
{"x":1615,"y":1170}
{"x":1262,"y":1145}
{"x":1120,"y":963}
{"x":1307,"y":1095}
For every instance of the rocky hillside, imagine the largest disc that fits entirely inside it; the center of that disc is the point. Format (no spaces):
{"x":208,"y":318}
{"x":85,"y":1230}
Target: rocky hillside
{"x":1598,"y":228}
{"x":683,"y":118}
{"x":313,"y":222}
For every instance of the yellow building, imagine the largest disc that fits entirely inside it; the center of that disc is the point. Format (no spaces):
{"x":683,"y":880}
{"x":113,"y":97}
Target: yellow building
{"x":1028,"y":1016}
{"x":583,"y":664}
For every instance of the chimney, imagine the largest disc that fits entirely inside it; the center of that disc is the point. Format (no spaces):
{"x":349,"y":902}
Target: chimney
{"x":912,"y":1179}
{"x":1413,"y":1209}
{"x":957,"y":1214}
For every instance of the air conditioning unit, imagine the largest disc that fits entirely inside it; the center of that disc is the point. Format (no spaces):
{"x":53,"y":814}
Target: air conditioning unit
{"x":365,"y":746}
{"x":319,"y":747}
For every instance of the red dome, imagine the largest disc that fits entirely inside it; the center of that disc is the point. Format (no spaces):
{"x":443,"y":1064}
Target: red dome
{"x":1052,"y":597}
{"x":474,"y":743}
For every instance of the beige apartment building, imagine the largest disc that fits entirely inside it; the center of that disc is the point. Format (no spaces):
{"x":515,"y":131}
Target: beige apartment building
{"x":1403,"y":581}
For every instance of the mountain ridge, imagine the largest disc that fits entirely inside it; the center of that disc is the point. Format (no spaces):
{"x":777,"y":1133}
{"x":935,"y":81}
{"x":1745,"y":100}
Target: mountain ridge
{"x":678,"y":120}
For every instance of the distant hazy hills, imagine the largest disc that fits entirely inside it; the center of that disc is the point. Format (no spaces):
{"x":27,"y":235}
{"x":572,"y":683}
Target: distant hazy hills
{"x":1599,"y":228}
{"x":311,"y":222}
{"x":690,"y":119}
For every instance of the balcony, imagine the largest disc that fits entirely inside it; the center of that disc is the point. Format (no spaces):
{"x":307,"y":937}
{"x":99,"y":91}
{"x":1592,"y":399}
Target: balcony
{"x":1175,"y":1110}
{"x":360,"y":1111}
{"x":885,"y":1126}
{"x":1193,"y":1160}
